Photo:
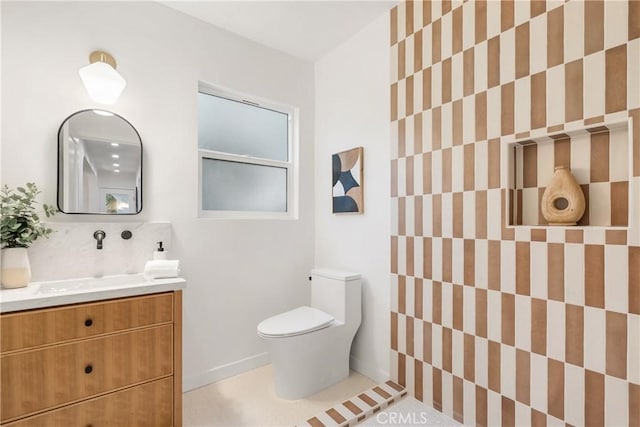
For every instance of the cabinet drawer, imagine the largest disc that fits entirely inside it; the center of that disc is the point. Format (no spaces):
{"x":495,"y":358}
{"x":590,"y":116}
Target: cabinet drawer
{"x":47,"y":326}
{"x":149,"y":404}
{"x":39,"y":379}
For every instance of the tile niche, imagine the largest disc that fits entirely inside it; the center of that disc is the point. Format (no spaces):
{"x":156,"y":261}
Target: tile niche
{"x":599,"y":160}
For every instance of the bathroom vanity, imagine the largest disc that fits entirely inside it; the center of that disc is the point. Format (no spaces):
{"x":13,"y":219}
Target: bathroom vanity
{"x":92,"y":355}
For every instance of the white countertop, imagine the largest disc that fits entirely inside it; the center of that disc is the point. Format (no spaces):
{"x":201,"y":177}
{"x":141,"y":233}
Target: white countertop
{"x":72,"y":291}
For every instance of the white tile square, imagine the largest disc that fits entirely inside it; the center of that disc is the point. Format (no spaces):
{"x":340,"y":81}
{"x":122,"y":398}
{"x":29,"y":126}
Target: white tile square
{"x":522,"y":98}
{"x":410,"y":213}
{"x":616,"y":18}
{"x":523,"y":322}
{"x":457,"y":76}
{"x":393,"y":303}
{"x":619,"y":153}
{"x":494,"y":212}
{"x":447,"y":391}
{"x":523,"y":414}
{"x":555,"y":234}
{"x":418,"y":344}
{"x":469,"y":304}
{"x":523,"y":234}
{"x":436,"y":84}
{"x":409,"y":374}
{"x":417,"y":92}
{"x":436,"y":10}
{"x":447,"y":305}
{"x":481,"y":264}
{"x":468,"y":119}
{"x":402,"y":333}
{"x":457,"y":261}
{"x":427,"y":300}
{"x":530,"y":206}
{"x":574,"y":274}
{"x":481,"y":362}
{"x":418,"y":261}
{"x":538,"y":270}
{"x":494,"y":24}
{"x":468,"y":24}
{"x":410,"y":298}
{"x":594,"y":339}
{"x":394,"y":139}
{"x":469,"y":214}
{"x":480,"y":69}
{"x":446,"y":35}
{"x":418,"y":175}
{"x":436,"y":258}
{"x":402,"y":19}
{"x":616,"y":401}
{"x":633,"y":348}
{"x":546,"y":159}
{"x":555,"y":95}
{"x":574,"y":391}
{"x":409,"y":136}
{"x":507,"y":55}
{"x":417,"y":15}
{"x":402,"y":99}
{"x":427,"y":127}
{"x":447,"y":215}
{"x":539,"y":376}
{"x":394,"y":63}
{"x":469,"y":403}
{"x":594,"y":80}
{"x":427,"y":46}
{"x":457,"y":169}
{"x":402,"y":255}
{"x":427,"y":383}
{"x":494,"y":407}
{"x":394,"y":216}
{"x":521,"y":12}
{"x":581,"y":157}
{"x":574,"y":39}
{"x":457,"y":353}
{"x":508,"y":266}
{"x":409,"y":57}
{"x":494,"y":319}
{"x":556,"y":330}
{"x":494,"y":112}
{"x":616,"y":279}
{"x":427,"y":220}
{"x":508,"y":371}
{"x":481,"y":160}
{"x":599,"y":203}
{"x":436,"y":346}
{"x":538,"y":44}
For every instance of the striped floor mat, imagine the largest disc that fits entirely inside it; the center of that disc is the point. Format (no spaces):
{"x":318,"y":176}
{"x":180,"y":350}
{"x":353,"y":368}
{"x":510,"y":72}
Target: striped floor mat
{"x":358,"y":408}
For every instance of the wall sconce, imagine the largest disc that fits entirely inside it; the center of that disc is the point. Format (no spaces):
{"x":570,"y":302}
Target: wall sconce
{"x":101,"y":79}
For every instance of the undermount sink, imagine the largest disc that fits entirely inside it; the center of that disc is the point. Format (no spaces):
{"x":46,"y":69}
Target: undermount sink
{"x":60,"y":292}
{"x":91,"y":283}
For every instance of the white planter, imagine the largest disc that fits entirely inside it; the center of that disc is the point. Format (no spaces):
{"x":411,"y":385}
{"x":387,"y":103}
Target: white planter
{"x":16,"y":271}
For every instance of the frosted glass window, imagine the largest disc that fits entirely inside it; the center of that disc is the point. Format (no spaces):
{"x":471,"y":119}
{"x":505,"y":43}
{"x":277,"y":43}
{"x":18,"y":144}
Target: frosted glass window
{"x":240,"y":128}
{"x":235,"y":186}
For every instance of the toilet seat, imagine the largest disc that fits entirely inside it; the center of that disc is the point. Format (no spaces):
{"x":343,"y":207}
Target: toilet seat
{"x":298,"y":321}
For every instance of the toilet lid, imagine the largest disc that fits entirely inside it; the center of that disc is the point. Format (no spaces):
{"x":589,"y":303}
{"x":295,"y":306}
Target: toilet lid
{"x":295,"y":322}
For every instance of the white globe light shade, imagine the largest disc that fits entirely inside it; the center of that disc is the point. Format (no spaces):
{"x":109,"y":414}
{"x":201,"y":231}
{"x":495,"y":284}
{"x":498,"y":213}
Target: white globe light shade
{"x":103,"y":82}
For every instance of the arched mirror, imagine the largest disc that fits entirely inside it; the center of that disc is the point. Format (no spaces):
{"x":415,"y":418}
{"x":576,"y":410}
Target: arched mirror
{"x":99,"y":165}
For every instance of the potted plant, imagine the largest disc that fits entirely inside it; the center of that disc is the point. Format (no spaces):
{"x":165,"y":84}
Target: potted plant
{"x":20,"y":226}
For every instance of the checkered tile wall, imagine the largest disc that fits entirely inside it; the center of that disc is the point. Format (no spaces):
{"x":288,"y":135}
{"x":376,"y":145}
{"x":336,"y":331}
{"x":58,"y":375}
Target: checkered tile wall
{"x":490,"y":323}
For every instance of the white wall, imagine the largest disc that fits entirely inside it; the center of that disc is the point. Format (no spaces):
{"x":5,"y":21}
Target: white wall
{"x":238,"y":272}
{"x":352,"y":109}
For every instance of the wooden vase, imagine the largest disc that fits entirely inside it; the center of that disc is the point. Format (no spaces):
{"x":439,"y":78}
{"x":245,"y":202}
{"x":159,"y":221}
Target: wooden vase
{"x":563,"y":200}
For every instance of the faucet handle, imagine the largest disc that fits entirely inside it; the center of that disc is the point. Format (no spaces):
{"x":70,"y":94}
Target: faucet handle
{"x":99,"y":235}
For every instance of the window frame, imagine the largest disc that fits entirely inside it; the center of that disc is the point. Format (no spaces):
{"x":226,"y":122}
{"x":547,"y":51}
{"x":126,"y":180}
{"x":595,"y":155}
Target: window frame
{"x":290,"y":165}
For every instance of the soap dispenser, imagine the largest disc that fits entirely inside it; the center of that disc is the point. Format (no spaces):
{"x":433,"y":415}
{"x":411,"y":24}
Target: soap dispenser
{"x":160,"y":252}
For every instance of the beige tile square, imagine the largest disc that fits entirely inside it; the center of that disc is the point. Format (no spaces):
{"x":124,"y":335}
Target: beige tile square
{"x":594,"y":339}
{"x":507,"y":55}
{"x":494,"y":214}
{"x":469,"y":215}
{"x":436,"y":262}
{"x":469,"y":319}
{"x":468,"y":119}
{"x":545,"y":164}
{"x":523,"y":322}
{"x":417,"y":14}
{"x":523,"y":414}
{"x":508,"y":371}
{"x":508,"y":267}
{"x":458,"y":353}
{"x":619,"y":154}
{"x":410,"y":216}
{"x":394,"y":63}
{"x":482,"y":362}
{"x":574,"y":39}
{"x":457,"y":169}
{"x":581,"y":157}
{"x":447,"y":305}
{"x":556,"y":331}
{"x":436,"y":84}
{"x":574,"y":395}
{"x":436,"y":172}
{"x":417,"y":175}
{"x":522,"y":11}
{"x":469,"y":402}
{"x":447,"y":35}
{"x":417,"y":92}
{"x":427,"y":382}
{"x":427,"y":300}
{"x":468,"y":25}
{"x":538,"y":48}
{"x":494,"y":319}
{"x":494,"y":408}
{"x":402,"y":334}
{"x":633,"y":70}
{"x":402,"y":255}
{"x":427,"y":223}
{"x":436,"y":333}
{"x":402,"y":178}
{"x":447,"y":125}
{"x":523,"y":104}
{"x":494,"y":110}
{"x":427,"y":124}
{"x":402,"y":19}
{"x":409,"y":57}
{"x":427,"y":46}
{"x":594,"y":79}
{"x":600,"y":203}
{"x":555,"y":95}
{"x":447,"y":394}
{"x":447,"y":215}
{"x":402,"y":99}
{"x":539,"y":382}
{"x":409,"y":138}
{"x":394,"y":139}
{"x":530,"y":206}
{"x":481,"y":67}
{"x":457,"y":76}
{"x":458,"y":261}
{"x":538,"y":253}
{"x":616,"y":18}
{"x":633,"y":349}
{"x":616,"y":278}
{"x":481,"y":160}
{"x":616,"y":407}
{"x":493,"y":19}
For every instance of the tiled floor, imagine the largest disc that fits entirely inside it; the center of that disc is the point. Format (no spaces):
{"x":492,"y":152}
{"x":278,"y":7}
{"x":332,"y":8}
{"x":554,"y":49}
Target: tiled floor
{"x":409,"y":412}
{"x":249,"y":399}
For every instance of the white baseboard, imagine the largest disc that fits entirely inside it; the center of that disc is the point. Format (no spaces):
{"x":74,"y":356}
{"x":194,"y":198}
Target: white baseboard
{"x":225,"y":371}
{"x":369,"y":370}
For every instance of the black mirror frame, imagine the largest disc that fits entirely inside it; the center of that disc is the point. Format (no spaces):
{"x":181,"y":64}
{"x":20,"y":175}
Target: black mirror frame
{"x":59,"y":174}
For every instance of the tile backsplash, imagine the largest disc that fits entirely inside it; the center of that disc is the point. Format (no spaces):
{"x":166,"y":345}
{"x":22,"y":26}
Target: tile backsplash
{"x":71,"y":251}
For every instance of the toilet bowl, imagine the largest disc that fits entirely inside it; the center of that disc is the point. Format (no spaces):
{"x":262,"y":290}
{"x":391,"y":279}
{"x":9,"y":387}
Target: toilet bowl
{"x":309,"y":346}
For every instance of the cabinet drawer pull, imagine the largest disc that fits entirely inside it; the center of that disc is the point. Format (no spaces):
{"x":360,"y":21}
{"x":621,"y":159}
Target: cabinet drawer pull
{"x":88,"y":369}
{"x":88,"y":322}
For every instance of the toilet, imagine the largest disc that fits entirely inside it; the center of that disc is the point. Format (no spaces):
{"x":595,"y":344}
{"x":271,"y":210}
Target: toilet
{"x":309,"y":346}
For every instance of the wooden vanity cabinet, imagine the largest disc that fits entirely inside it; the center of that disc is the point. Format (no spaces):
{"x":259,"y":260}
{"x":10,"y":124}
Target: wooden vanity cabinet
{"x":114,"y":362}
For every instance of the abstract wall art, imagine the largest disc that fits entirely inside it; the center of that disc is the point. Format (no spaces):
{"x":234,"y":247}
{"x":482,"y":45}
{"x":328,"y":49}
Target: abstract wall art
{"x":348,"y":190}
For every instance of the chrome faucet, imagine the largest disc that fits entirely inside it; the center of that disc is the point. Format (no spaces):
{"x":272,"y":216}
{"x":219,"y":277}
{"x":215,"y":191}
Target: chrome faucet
{"x":99,"y":236}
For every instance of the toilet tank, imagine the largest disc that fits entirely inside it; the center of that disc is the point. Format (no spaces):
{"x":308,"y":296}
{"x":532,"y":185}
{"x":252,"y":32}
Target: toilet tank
{"x":337,"y":293}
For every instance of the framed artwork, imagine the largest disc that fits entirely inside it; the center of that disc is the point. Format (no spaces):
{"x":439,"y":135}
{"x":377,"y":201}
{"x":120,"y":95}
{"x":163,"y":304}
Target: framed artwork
{"x":347,"y":175}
